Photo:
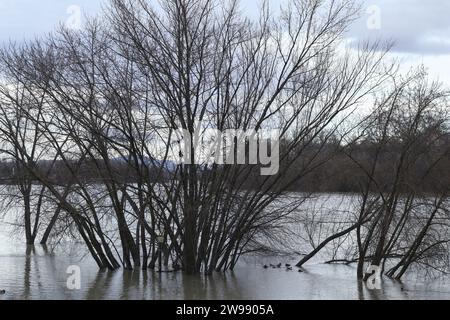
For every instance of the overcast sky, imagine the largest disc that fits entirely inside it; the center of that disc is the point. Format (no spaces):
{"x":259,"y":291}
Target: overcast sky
{"x":420,"y":29}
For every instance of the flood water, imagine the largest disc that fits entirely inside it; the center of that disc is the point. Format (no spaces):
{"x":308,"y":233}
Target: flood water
{"x":38,"y":274}
{"x":41,"y":273}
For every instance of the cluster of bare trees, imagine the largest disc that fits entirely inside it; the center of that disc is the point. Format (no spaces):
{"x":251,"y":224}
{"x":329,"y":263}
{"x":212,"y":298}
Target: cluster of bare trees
{"x":113,"y":95}
{"x":402,"y":218}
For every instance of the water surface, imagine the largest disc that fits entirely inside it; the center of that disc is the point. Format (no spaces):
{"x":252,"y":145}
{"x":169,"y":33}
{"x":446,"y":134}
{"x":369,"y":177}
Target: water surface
{"x":41,"y":273}
{"x":37,"y":273}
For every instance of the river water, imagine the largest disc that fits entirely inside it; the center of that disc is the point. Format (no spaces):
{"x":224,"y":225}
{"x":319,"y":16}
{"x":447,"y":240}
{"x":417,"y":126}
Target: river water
{"x":38,"y":274}
{"x":41,"y":273}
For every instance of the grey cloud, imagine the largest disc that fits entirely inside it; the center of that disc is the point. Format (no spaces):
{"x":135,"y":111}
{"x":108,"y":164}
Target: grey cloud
{"x":415,"y":26}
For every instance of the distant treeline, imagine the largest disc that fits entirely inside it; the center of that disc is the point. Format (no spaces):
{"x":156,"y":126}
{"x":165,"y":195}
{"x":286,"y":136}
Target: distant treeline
{"x":338,"y":168}
{"x":342,"y":174}
{"x":344,"y":168}
{"x":87,"y":171}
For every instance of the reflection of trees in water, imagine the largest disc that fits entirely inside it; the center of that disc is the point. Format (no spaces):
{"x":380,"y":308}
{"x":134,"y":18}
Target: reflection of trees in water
{"x":27,"y":273}
{"x":45,"y":277}
{"x":215,"y":286}
{"x":40,"y":273}
{"x":100,"y":286}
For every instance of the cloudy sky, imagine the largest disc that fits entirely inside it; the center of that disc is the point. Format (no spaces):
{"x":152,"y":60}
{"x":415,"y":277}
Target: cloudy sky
{"x":420,"y":29}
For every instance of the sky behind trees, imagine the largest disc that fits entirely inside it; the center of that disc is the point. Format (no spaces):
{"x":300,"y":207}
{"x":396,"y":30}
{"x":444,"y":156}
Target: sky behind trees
{"x":420,"y":29}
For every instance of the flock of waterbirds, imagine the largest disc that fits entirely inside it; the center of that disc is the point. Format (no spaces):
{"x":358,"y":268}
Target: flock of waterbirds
{"x":279,"y":265}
